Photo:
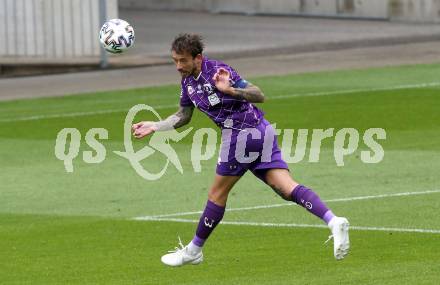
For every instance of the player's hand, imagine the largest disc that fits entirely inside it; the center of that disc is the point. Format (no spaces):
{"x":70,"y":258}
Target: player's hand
{"x":143,"y":129}
{"x":221,"y":80}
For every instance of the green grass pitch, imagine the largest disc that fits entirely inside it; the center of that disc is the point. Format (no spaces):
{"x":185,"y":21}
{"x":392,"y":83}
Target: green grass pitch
{"x":78,"y":228}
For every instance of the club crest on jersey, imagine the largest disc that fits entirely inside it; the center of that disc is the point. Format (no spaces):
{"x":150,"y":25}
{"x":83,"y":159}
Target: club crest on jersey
{"x":213,"y":99}
{"x":190,"y":89}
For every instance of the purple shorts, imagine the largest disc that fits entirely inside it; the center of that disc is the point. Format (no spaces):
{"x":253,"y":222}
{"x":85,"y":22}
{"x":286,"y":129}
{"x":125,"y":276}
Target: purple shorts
{"x":251,"y":149}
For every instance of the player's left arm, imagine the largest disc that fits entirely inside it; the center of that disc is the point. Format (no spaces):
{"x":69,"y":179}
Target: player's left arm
{"x":250,"y":93}
{"x":247,"y":91}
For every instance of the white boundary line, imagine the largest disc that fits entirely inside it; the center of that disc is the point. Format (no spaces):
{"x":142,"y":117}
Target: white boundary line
{"x":169,"y":217}
{"x":377,"y":89}
{"x":281,"y":225}
{"x":79,"y":114}
{"x":293,"y":204}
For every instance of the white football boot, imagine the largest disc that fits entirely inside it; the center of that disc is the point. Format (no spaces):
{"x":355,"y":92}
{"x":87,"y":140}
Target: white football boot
{"x":341,"y":242}
{"x":181,"y":256}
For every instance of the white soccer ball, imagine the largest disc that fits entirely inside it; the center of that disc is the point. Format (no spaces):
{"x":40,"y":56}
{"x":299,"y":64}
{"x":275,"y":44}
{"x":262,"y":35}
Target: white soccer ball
{"x":116,"y":36}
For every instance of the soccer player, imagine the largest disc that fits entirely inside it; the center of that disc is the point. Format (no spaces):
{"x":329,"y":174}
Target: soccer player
{"x":224,"y":96}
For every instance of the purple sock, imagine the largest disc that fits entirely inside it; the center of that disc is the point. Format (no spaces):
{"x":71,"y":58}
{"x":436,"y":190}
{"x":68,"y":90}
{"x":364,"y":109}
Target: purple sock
{"x":210,"y":218}
{"x":310,"y":200}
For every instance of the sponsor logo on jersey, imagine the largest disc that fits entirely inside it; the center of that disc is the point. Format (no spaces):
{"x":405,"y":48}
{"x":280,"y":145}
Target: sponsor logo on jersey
{"x":208,"y":88}
{"x":199,"y":89}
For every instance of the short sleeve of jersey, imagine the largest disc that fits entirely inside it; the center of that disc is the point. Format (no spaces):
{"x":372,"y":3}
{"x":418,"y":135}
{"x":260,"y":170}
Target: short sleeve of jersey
{"x":184,"y":99}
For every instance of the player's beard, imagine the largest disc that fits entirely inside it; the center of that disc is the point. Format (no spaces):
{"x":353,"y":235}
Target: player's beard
{"x":192,"y":72}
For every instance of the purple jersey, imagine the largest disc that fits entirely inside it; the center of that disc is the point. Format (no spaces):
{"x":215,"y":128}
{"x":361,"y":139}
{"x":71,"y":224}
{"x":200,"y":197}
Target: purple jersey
{"x":225,"y":110}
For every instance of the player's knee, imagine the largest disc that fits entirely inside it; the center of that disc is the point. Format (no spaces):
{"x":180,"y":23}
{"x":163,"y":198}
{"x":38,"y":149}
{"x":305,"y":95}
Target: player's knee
{"x":217,"y":195}
{"x":282,"y":193}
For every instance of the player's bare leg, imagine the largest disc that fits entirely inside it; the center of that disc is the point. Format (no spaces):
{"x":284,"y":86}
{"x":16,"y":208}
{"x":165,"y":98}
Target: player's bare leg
{"x":220,"y":188}
{"x":211,"y":217}
{"x":283,"y":184}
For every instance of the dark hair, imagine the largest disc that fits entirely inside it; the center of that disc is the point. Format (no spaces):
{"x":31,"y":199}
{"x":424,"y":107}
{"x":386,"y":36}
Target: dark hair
{"x":190,"y":43}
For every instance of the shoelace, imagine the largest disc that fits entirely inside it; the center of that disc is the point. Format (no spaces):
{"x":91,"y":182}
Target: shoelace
{"x":329,"y":238}
{"x":177,"y":248}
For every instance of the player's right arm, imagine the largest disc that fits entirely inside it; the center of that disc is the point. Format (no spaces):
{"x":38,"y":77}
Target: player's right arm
{"x":176,"y":120}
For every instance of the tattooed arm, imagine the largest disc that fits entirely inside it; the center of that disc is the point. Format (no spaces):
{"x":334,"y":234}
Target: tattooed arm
{"x":176,"y":120}
{"x":250,"y":93}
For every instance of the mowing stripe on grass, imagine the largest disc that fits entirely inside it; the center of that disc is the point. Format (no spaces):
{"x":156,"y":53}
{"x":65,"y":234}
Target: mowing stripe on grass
{"x":281,"y":225}
{"x":158,"y":107}
{"x":293,"y":204}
